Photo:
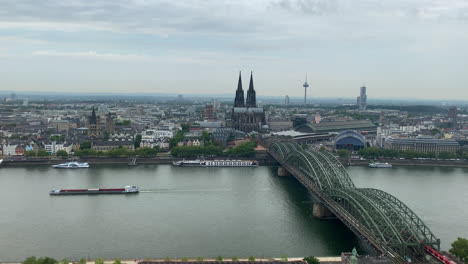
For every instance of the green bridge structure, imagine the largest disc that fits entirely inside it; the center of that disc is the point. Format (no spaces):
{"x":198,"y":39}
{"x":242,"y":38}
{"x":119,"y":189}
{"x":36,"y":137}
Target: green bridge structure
{"x":380,"y":219}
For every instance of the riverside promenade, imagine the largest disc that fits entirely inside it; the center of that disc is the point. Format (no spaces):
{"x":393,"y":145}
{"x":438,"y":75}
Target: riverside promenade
{"x":211,"y":260}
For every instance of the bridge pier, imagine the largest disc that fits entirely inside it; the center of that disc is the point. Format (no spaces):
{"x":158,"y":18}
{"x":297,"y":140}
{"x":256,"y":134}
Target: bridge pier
{"x":320,"y":211}
{"x":283,"y":172}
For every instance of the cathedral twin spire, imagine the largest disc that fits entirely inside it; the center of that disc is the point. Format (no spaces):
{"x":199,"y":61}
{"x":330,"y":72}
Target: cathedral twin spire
{"x":251,"y":95}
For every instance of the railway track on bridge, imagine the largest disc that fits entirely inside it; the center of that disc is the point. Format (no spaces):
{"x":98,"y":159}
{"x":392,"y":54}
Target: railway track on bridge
{"x":380,"y":219}
{"x":341,"y":214}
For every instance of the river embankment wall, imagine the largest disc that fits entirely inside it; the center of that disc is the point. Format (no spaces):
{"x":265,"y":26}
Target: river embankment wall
{"x":263,"y":158}
{"x":411,"y":162}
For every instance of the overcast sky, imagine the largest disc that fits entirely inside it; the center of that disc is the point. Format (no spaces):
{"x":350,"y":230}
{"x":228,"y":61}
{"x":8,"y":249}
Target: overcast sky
{"x":397,"y":48}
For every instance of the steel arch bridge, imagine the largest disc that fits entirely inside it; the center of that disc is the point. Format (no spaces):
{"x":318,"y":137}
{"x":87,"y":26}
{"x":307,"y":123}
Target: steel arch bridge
{"x":378,"y":217}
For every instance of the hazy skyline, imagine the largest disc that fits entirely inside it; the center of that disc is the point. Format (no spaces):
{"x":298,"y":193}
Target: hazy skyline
{"x":398,"y":48}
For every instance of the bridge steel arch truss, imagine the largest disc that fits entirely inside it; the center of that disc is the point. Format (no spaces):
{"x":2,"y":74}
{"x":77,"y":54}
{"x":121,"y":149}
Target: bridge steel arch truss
{"x":376,"y":213}
{"x":387,"y":218}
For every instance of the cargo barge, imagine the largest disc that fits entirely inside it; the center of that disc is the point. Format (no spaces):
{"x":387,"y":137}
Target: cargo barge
{"x":127,"y":190}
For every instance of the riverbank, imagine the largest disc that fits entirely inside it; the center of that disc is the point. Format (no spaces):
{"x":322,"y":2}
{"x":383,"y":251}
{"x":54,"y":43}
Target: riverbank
{"x":209,"y":260}
{"x":263,"y":158}
{"x":411,"y":162}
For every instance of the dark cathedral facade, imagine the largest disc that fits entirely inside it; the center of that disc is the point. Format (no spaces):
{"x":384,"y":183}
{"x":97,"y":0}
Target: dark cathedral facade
{"x":246,"y":116}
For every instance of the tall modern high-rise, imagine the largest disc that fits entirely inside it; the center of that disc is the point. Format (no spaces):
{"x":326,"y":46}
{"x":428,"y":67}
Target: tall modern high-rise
{"x":305,"y":85}
{"x":362,"y":99}
{"x":286,"y":100}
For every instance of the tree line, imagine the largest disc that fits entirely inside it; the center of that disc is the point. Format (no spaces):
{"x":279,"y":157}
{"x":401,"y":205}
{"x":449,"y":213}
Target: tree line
{"x":243,"y":150}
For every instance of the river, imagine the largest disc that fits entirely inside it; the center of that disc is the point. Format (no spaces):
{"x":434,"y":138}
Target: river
{"x":209,"y":212}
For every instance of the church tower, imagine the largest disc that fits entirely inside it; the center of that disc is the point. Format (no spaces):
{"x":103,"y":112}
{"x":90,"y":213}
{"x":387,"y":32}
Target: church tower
{"x":251,"y":97}
{"x":239,"y":101}
{"x":246,"y":116}
{"x":94,"y":126}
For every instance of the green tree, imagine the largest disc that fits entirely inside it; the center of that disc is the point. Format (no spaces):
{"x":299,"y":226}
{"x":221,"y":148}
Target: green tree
{"x":343,"y":153}
{"x":42,"y":153}
{"x":117,"y":261}
{"x":86,"y":153}
{"x":99,"y":261}
{"x":219,"y":258}
{"x":251,"y":258}
{"x":446,"y":155}
{"x":200,"y":259}
{"x":460,"y":249}
{"x":235,"y":259}
{"x":61,"y":153}
{"x":176,"y":139}
{"x":146,"y":152}
{"x":64,"y":261}
{"x":185,"y":259}
{"x":30,"y":260}
{"x":82,"y":261}
{"x":311,"y":260}
{"x":123,"y":123}
{"x":185,"y":127}
{"x":85,"y":145}
{"x":243,"y":150}
{"x":206,"y":136}
{"x":137,"y":141}
{"x":284,"y":258}
{"x":371,"y":153}
{"x":46,"y":260}
{"x":30,"y":153}
{"x":57,"y":138}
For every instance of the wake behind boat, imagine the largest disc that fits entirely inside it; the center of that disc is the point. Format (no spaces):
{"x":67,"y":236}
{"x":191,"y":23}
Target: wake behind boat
{"x":130,"y":189}
{"x":216,"y":163}
{"x":72,"y":165}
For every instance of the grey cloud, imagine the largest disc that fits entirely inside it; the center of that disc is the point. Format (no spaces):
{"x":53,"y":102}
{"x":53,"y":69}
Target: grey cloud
{"x":157,"y":17}
{"x":313,"y":7}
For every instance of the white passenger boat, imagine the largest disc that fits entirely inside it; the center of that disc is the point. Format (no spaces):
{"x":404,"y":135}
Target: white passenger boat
{"x":380,"y":165}
{"x":216,"y":163}
{"x":1,"y":161}
{"x":72,"y":165}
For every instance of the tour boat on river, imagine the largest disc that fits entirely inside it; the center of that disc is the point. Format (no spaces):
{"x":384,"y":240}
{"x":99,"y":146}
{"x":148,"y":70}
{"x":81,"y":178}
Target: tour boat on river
{"x":380,"y":165}
{"x":216,"y":163}
{"x":72,"y":165}
{"x":130,"y":189}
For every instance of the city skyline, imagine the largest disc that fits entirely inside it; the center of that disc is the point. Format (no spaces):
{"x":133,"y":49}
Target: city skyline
{"x":400,"y":49}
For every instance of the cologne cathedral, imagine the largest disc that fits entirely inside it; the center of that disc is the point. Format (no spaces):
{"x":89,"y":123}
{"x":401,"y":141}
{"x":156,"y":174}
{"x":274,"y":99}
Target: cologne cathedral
{"x":246,"y":116}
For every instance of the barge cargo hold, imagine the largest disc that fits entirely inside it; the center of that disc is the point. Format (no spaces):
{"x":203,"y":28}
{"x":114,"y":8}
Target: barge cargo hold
{"x":127,"y":190}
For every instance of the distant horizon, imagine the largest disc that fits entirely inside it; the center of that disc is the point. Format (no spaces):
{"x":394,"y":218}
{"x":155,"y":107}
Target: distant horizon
{"x":296,"y":100}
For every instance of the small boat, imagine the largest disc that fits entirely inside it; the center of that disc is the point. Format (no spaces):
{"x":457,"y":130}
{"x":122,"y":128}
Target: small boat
{"x":133,"y":162}
{"x":130,"y":189}
{"x":1,"y":162}
{"x":216,"y":163}
{"x":380,"y":165}
{"x":72,"y":165}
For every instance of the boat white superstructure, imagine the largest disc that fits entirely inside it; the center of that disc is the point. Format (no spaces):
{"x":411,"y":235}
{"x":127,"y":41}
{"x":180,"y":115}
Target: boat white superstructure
{"x":380,"y":165}
{"x":72,"y":165}
{"x":216,"y":163}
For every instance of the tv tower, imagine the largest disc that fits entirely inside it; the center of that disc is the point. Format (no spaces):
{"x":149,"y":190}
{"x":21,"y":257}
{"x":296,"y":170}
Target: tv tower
{"x":306,"y":85}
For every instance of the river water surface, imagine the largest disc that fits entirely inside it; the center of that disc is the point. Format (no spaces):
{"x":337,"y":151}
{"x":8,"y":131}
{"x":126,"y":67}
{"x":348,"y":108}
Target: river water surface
{"x":190,"y":212}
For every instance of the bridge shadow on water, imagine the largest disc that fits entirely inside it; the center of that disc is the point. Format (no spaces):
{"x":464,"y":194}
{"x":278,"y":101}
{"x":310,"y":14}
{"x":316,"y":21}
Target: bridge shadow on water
{"x":332,"y":233}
